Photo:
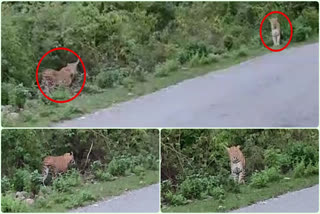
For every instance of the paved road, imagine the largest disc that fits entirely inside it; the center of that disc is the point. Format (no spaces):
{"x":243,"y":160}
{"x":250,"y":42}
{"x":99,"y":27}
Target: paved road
{"x":303,"y":201}
{"x":137,"y":201}
{"x":274,"y":90}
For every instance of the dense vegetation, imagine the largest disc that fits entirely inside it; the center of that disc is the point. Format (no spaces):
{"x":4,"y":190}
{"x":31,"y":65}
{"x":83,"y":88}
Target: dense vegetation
{"x":122,"y":44}
{"x":195,"y":163}
{"x":100,"y":156}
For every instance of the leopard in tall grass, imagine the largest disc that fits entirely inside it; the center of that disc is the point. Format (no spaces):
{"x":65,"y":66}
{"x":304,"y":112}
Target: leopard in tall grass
{"x":237,"y":163}
{"x":57,"y":164}
{"x":64,"y":77}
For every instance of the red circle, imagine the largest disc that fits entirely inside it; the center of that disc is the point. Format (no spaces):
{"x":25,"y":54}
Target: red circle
{"x":276,"y":50}
{"x":84,"y":76}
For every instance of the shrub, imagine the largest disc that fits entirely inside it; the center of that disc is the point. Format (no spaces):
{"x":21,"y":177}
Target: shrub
{"x":14,"y":94}
{"x":71,"y":110}
{"x":311,"y":170}
{"x":119,"y":165}
{"x":194,"y":48}
{"x":81,"y":198}
{"x":196,"y":60}
{"x":231,"y":186}
{"x":301,"y":30}
{"x":175,"y":199}
{"x":274,"y":158}
{"x":165,"y":68}
{"x":272,"y":174}
{"x":64,"y":182}
{"x":195,"y":186}
{"x":228,"y":41}
{"x":151,"y":162}
{"x":22,"y":180}
{"x":138,"y":170}
{"x":299,"y":151}
{"x":5,"y":184}
{"x":299,"y":170}
{"x":102,"y":175}
{"x":311,"y":16}
{"x":89,"y":88}
{"x":259,"y":180}
{"x":36,"y":182}
{"x":213,"y":58}
{"x":96,"y":165}
{"x":217,"y":192}
{"x":109,"y":78}
{"x":61,"y":93}
{"x":10,"y":204}
{"x":243,"y":51}
{"x":166,"y":186}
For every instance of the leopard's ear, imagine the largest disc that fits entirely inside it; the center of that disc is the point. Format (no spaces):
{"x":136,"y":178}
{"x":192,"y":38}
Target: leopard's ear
{"x":71,"y":153}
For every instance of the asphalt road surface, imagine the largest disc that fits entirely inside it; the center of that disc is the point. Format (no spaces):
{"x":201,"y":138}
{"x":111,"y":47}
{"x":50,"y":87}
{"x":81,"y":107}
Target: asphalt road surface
{"x":137,"y":201}
{"x":303,"y":201}
{"x":279,"y":89}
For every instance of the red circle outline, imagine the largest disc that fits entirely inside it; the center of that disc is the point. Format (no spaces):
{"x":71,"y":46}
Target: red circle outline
{"x":276,"y":50}
{"x":84,"y":76}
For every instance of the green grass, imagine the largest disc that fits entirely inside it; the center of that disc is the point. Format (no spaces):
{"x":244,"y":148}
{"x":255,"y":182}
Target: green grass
{"x":246,"y":197}
{"x":61,"y":202}
{"x":48,"y":114}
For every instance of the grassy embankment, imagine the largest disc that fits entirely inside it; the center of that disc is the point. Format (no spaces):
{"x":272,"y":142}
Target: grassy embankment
{"x":247,"y":196}
{"x":46,"y":115}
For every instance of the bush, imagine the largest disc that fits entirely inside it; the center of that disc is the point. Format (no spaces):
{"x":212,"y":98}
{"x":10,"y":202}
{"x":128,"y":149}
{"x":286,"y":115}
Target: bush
{"x":5,"y":184}
{"x":14,"y":94}
{"x":231,"y":186}
{"x":102,"y":175}
{"x":195,"y":187}
{"x":273,"y":174}
{"x":299,"y":151}
{"x":175,"y":199}
{"x":10,"y":204}
{"x":203,"y":60}
{"x":259,"y":180}
{"x":166,"y":186}
{"x":138,"y":170}
{"x":228,"y":41}
{"x":60,"y":93}
{"x":311,"y":170}
{"x":151,"y":162}
{"x":162,"y":70}
{"x":81,"y":198}
{"x":299,"y":170}
{"x":109,"y":78}
{"x":301,"y":30}
{"x":64,"y":182}
{"x":243,"y":51}
{"x":96,"y":165}
{"x":274,"y":158}
{"x":217,"y":193}
{"x":70,"y":110}
{"x":36,"y":182}
{"x":118,"y":166}
{"x":22,"y":180}
{"x":311,"y":15}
